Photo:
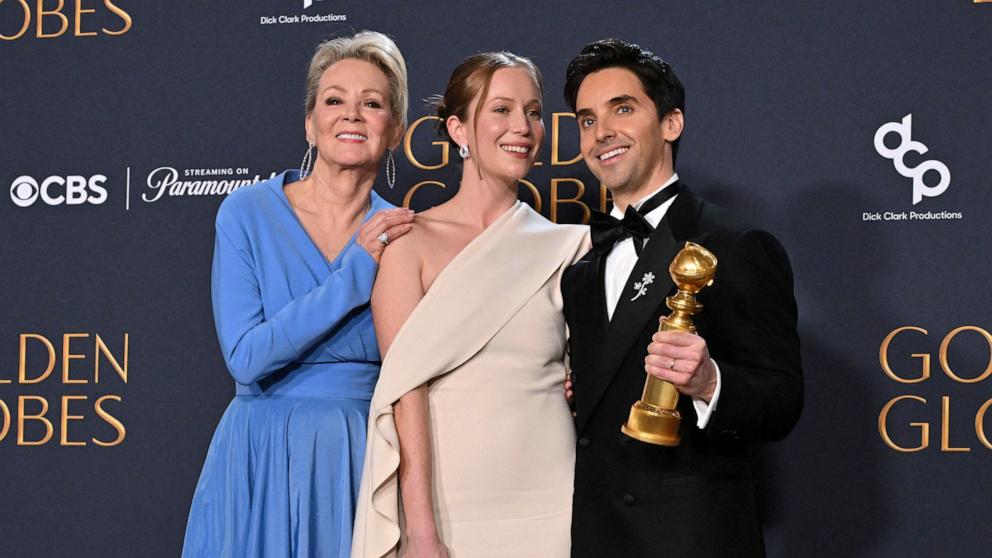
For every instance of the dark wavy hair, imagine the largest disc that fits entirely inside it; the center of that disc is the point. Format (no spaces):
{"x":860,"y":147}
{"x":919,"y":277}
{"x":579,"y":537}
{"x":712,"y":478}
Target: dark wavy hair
{"x":656,"y":75}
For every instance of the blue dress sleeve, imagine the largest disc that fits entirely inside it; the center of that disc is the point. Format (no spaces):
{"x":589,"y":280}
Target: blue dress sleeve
{"x":254,"y":346}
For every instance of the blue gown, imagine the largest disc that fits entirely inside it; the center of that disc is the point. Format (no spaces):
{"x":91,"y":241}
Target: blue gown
{"x":282,"y":474}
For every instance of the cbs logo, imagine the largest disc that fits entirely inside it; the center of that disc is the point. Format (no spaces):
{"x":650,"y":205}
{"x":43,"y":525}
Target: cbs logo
{"x":56,"y":190}
{"x":904,"y":130}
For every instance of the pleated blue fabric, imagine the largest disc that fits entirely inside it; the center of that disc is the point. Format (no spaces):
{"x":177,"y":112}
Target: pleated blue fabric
{"x":283,"y":470}
{"x":280,"y":479}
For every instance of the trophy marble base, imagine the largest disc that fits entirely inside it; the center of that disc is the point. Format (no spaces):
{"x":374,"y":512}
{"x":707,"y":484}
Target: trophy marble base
{"x":653,"y":425}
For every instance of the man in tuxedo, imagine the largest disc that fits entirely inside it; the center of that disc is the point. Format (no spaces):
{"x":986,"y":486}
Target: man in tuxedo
{"x":740,"y":376}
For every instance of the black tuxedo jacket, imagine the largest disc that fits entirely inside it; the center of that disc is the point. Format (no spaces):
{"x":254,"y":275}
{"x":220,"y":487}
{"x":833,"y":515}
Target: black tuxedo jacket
{"x":696,"y":499}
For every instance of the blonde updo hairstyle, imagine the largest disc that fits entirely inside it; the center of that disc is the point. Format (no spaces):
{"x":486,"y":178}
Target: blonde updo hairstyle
{"x":372,"y":47}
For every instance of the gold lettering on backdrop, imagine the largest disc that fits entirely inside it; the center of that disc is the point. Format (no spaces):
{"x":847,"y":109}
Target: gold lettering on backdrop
{"x":111,"y":420}
{"x":604,"y":197}
{"x":884,"y":431}
{"x":22,"y":377}
{"x":79,"y":20}
{"x":66,"y":417}
{"x":56,"y":12}
{"x":22,"y":417}
{"x":883,"y":357}
{"x":45,"y":13}
{"x":555,"y":200}
{"x":125,"y":17}
{"x":413,"y":190}
{"x":945,"y":426}
{"x":440,"y":152}
{"x":943,"y":355}
{"x":408,"y":145}
{"x":6,"y":420}
{"x":24,"y":26}
{"x":67,"y":357}
{"x":537,"y":195}
{"x":979,"y":424}
{"x":32,"y":410}
{"x":555,"y":131}
{"x":101,"y":348}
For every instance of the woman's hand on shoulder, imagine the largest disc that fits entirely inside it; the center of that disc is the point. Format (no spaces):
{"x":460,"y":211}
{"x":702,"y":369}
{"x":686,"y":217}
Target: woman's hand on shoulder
{"x":393,"y":223}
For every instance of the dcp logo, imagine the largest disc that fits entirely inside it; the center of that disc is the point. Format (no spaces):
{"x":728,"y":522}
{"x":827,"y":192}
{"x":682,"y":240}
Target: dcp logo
{"x":56,"y":190}
{"x":898,"y":156}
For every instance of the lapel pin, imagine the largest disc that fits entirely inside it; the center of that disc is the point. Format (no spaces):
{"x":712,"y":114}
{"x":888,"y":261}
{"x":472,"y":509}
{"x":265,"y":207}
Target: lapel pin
{"x":642,"y":286}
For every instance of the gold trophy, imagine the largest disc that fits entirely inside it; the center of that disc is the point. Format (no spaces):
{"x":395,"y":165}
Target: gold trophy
{"x":654,"y":419}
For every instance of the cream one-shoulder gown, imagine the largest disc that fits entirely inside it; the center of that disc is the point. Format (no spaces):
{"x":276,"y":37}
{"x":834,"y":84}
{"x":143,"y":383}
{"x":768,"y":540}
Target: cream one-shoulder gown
{"x":489,"y":339}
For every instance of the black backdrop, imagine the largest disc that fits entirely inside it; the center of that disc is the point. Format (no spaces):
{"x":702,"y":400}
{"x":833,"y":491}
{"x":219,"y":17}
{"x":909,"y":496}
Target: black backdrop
{"x":784,"y":101}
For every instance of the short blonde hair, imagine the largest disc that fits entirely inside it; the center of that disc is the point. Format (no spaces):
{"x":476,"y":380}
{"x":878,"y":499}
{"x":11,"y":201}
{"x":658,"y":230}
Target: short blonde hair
{"x":372,"y":47}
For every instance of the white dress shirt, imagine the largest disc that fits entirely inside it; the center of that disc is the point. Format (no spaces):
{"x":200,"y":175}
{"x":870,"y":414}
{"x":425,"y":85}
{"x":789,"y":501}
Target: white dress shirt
{"x":620,"y":262}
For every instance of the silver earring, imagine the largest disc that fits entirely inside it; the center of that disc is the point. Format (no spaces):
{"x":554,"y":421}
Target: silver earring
{"x":463,"y":151}
{"x":390,"y":170}
{"x":307,"y":165}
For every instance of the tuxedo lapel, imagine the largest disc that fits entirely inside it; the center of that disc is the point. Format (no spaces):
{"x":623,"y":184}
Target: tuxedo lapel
{"x":681,"y":223}
{"x":631,"y":316}
{"x":586,"y":297}
{"x":645,"y":290}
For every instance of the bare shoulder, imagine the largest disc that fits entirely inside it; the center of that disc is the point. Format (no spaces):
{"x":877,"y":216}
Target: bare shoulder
{"x":398,"y":280}
{"x":410,"y":251}
{"x":429,"y":228}
{"x":412,"y":244}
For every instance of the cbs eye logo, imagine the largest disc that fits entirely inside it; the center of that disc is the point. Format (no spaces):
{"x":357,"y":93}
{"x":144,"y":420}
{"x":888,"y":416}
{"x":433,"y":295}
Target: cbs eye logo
{"x":57,"y":190}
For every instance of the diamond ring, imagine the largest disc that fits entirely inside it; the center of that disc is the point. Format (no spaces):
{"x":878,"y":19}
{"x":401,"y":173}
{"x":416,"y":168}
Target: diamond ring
{"x":383,"y":238}
{"x":672,"y":367}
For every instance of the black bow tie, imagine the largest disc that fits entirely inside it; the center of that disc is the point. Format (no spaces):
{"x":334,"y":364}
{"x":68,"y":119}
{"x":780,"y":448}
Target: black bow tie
{"x":607,"y":230}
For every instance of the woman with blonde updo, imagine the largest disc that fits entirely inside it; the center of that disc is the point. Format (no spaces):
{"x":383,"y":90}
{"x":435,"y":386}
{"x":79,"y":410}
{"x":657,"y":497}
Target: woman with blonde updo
{"x":294,"y":262}
{"x":469,"y":427}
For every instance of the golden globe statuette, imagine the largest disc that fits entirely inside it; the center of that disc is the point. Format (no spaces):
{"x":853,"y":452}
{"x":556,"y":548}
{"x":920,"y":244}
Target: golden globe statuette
{"x":654,"y":418}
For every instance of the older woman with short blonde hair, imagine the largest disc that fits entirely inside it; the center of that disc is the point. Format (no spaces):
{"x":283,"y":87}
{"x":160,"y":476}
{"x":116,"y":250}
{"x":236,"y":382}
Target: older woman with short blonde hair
{"x":294,"y":262}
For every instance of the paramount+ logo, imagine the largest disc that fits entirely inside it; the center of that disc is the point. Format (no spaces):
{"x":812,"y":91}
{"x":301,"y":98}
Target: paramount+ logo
{"x":50,"y":19}
{"x":25,"y":191}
